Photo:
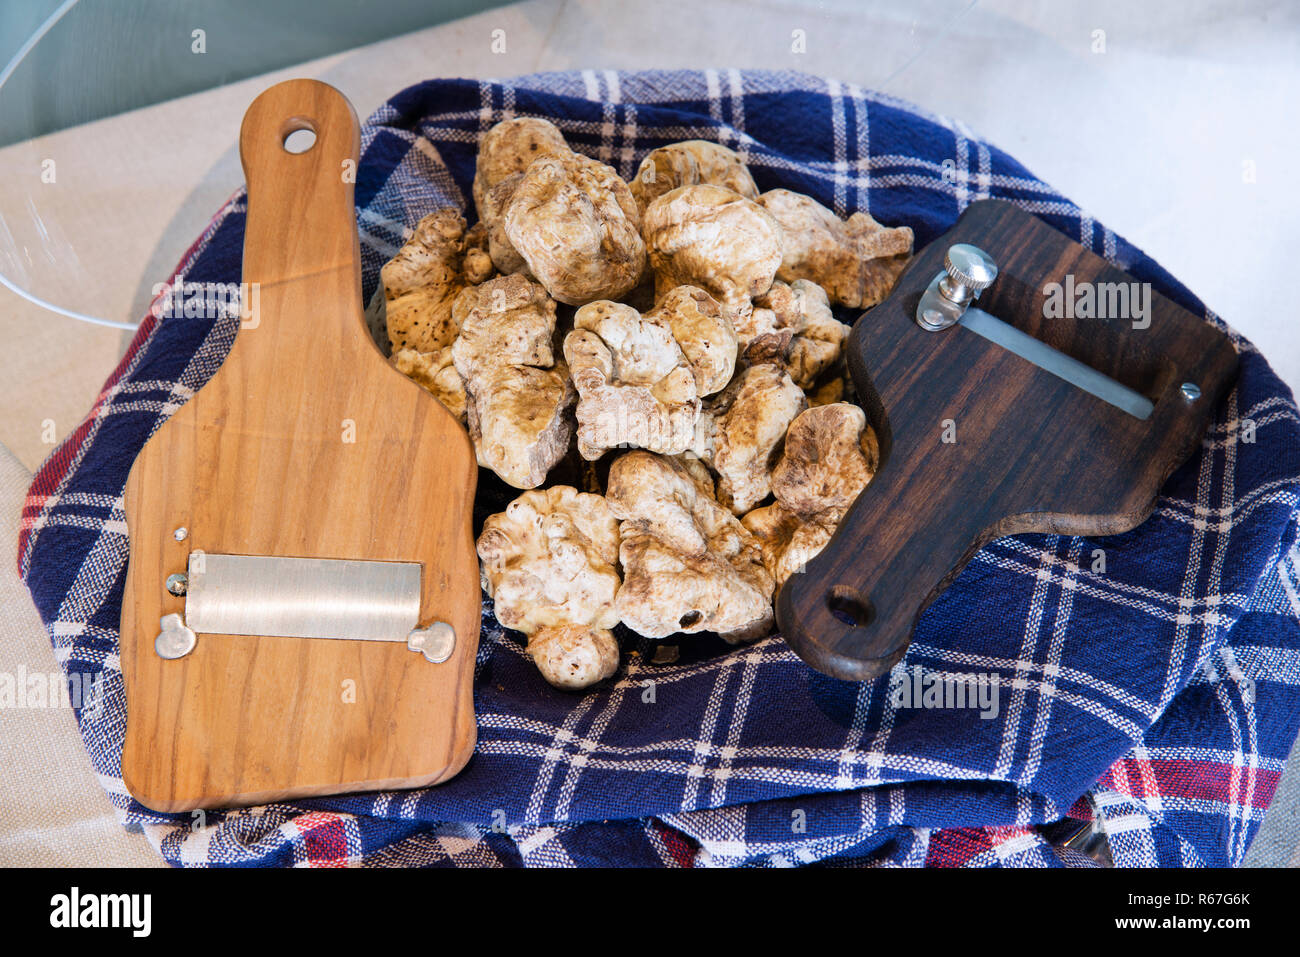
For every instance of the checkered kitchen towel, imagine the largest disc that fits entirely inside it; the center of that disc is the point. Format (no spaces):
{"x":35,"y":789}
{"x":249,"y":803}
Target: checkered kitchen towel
{"x":1159,"y":694}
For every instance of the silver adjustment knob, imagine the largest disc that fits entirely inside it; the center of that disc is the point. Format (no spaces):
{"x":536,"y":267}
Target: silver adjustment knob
{"x":176,"y":640}
{"x":970,"y":271}
{"x":436,"y":642}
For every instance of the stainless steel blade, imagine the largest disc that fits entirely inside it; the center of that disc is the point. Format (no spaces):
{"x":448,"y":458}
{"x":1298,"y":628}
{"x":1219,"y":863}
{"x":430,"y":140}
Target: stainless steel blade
{"x":302,"y":597}
{"x":1057,"y":363}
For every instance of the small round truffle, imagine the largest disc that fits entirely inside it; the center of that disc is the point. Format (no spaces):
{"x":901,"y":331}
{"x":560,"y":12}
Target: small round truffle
{"x":573,"y":657}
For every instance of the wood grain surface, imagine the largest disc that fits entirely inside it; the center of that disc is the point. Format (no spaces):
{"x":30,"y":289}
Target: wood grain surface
{"x":1031,"y":452}
{"x":305,"y":443}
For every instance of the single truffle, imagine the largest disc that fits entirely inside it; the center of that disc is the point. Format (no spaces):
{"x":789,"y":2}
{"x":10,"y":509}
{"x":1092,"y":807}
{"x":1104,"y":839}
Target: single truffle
{"x":518,"y":417}
{"x":690,"y":163}
{"x":548,"y":563}
{"x":412,"y":308}
{"x":793,"y":324}
{"x":688,"y":564}
{"x":741,"y":430}
{"x":703,"y":330}
{"x":830,"y":455}
{"x":517,"y":396}
{"x":856,"y":262}
{"x":510,"y":147}
{"x":635,"y":385}
{"x":786,"y":540}
{"x":574,"y":222}
{"x":437,"y":373}
{"x":716,"y":239}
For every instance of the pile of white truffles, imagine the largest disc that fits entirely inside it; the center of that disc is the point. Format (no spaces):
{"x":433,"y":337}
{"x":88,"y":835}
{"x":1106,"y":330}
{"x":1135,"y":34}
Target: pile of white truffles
{"x":694,"y":348}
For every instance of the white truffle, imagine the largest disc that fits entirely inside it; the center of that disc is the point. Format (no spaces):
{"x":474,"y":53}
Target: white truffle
{"x":703,"y":331}
{"x":856,"y":262}
{"x":713,"y":238}
{"x":574,"y":222}
{"x":548,"y":563}
{"x":634,"y":383}
{"x":793,"y":325}
{"x":741,"y":429}
{"x":437,"y":373}
{"x":510,"y":147}
{"x":830,"y":455}
{"x":517,"y":397}
{"x":688,"y":564}
{"x":412,"y":308}
{"x":690,"y":163}
{"x":787,"y":541}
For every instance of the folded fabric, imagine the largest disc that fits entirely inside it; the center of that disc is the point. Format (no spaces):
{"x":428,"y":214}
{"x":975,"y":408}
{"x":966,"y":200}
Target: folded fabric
{"x":1158,"y":694}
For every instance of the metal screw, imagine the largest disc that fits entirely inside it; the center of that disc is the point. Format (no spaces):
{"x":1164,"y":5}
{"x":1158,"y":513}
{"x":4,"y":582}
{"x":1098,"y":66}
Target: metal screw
{"x":970,"y":271}
{"x":180,"y":533}
{"x":1190,"y":390}
{"x":175,"y":640}
{"x":178,"y":584}
{"x":436,"y":642}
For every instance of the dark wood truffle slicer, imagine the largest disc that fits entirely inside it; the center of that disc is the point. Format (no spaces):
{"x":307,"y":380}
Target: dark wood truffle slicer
{"x":1060,"y":404}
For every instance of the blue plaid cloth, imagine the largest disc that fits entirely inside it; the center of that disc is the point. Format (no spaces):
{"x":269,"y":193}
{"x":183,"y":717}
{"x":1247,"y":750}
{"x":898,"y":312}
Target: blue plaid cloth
{"x":1158,"y":696}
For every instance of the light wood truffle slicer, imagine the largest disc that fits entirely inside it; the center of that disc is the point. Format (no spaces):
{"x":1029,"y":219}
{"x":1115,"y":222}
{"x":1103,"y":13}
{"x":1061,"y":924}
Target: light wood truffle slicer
{"x":1060,"y":404}
{"x":302,"y":602}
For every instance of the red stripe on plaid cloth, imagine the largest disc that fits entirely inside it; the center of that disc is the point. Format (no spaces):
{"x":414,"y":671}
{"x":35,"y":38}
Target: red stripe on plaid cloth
{"x":1192,"y":780}
{"x":958,"y":846}
{"x":1081,"y":809}
{"x":680,"y":848}
{"x":54,"y":469}
{"x":324,"y":838}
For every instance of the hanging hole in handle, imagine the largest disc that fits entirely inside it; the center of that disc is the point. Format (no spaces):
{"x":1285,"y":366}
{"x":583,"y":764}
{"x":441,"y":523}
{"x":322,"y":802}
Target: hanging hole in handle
{"x":848,"y":606}
{"x":298,"y":136}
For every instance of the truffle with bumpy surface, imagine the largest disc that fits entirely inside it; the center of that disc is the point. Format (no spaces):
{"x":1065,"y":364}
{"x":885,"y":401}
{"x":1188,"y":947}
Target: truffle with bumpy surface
{"x":548,"y":563}
{"x":855,"y":261}
{"x":688,"y":563}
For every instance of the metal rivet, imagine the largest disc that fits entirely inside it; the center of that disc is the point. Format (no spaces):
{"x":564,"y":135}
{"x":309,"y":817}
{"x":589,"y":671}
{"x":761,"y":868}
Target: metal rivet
{"x":177,"y":584}
{"x":180,"y":534}
{"x":175,"y":640}
{"x":436,"y":642}
{"x":1190,"y":390}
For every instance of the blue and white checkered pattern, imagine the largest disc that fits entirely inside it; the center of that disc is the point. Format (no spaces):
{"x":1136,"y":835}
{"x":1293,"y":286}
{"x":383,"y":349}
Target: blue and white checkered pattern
{"x":1159,"y":695}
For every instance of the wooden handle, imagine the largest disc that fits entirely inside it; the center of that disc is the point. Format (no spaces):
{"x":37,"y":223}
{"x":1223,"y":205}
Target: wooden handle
{"x":976,"y":442}
{"x":851,"y":612}
{"x":300,"y":237}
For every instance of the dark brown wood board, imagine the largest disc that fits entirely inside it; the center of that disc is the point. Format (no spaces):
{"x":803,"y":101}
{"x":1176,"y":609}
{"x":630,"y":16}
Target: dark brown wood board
{"x":1032,"y":453}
